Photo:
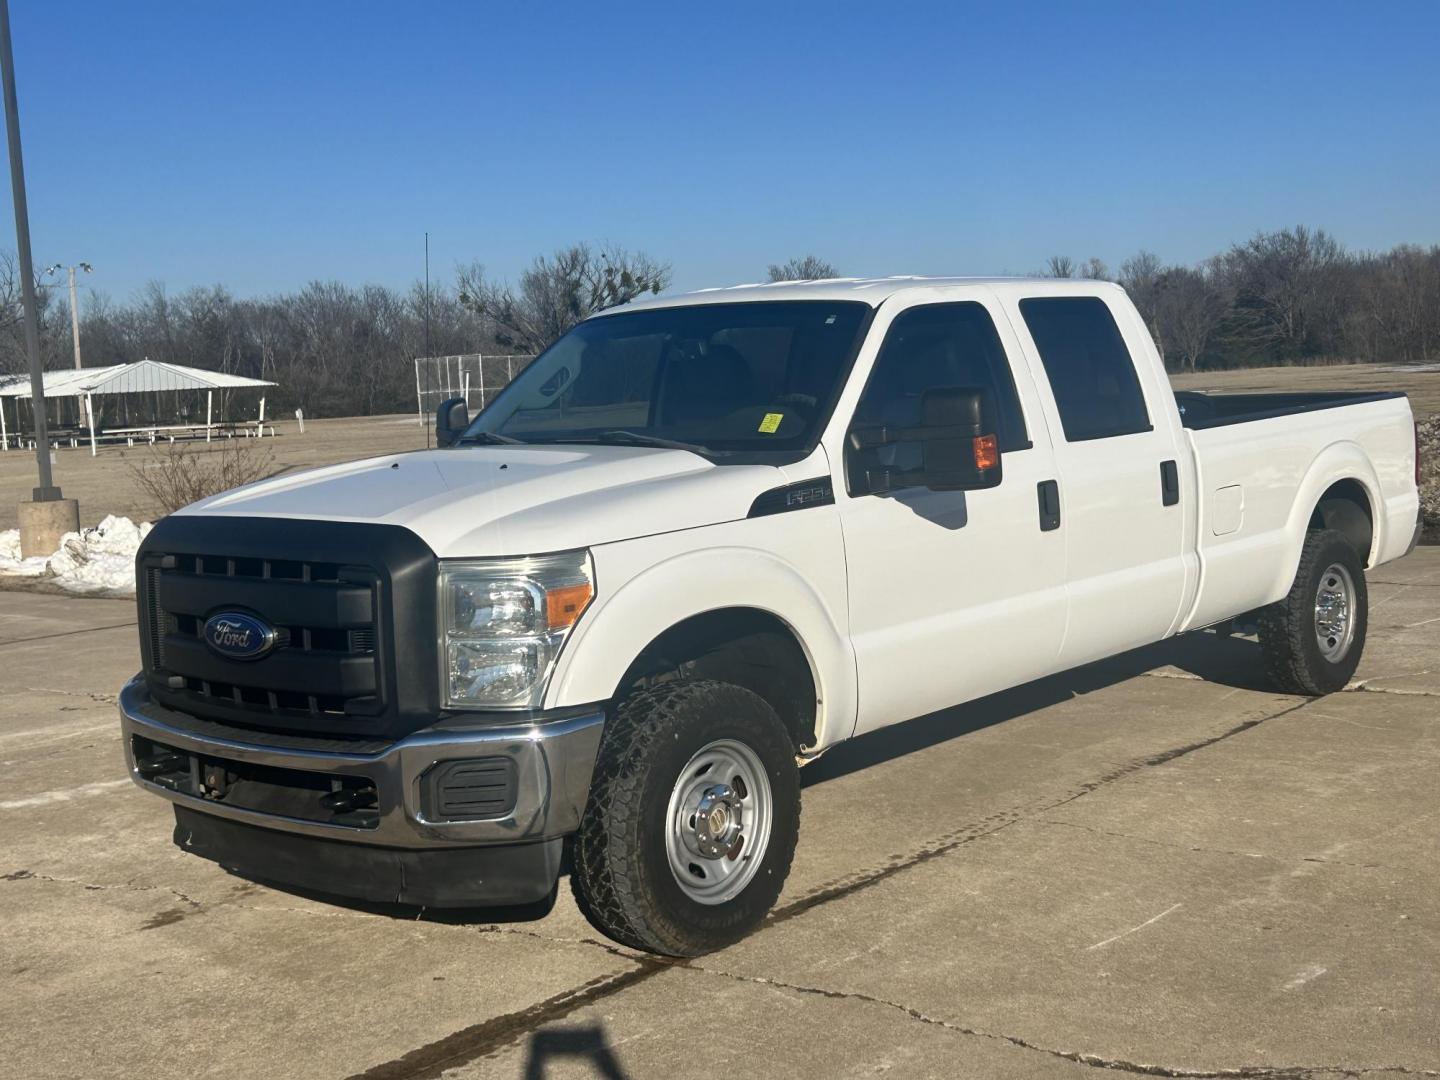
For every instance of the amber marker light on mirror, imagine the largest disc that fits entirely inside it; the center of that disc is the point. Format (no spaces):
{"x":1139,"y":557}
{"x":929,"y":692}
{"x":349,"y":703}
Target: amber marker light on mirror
{"x":987,"y":451}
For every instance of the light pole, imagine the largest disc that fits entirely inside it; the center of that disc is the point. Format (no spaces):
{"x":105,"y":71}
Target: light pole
{"x":47,"y":516}
{"x":74,"y":305}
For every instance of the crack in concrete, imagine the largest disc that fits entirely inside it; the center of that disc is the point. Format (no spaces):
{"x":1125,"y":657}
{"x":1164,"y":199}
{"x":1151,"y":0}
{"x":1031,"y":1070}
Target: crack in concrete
{"x":90,"y":886}
{"x":27,"y":875}
{"x":1361,"y":687}
{"x":948,"y":842}
{"x":428,"y":1062}
{"x":551,"y":939}
{"x":67,"y":633}
{"x":1094,"y":1061}
{"x":104,"y":699}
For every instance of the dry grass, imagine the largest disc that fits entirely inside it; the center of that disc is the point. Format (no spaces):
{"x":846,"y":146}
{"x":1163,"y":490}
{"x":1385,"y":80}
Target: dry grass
{"x":184,"y":473}
{"x":1422,"y":386}
{"x":106,"y":484}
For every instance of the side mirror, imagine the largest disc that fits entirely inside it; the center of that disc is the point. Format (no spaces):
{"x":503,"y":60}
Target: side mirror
{"x":451,"y":420}
{"x":958,"y":439}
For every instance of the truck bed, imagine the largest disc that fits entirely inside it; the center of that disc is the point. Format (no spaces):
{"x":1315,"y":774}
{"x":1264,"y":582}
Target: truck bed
{"x":1200,"y":410}
{"x":1263,"y":461}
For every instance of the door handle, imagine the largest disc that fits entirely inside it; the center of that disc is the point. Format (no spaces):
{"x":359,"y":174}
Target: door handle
{"x":1048,"y":494}
{"x":1169,"y":483}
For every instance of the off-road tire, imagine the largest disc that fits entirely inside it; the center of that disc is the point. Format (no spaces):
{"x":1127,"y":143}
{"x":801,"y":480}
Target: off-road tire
{"x":1287,"y":628}
{"x":620,"y":874}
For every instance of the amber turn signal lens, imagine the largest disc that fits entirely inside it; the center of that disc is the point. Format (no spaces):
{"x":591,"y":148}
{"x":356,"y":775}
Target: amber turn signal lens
{"x":987,"y":451}
{"x":564,"y":605}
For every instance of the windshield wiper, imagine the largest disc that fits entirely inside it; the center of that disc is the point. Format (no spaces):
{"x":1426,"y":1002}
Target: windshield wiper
{"x":629,"y":438}
{"x":489,"y":438}
{"x":635,"y":438}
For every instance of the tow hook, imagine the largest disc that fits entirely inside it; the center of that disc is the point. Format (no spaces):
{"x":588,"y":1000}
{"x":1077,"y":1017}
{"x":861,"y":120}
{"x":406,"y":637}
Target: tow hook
{"x":354,"y":807}
{"x":163,"y":763}
{"x":347,"y":801}
{"x":214,"y":781}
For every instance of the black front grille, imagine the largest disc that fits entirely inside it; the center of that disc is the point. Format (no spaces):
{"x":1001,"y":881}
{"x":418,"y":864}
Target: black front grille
{"x":317,"y":669}
{"x":333,"y":668}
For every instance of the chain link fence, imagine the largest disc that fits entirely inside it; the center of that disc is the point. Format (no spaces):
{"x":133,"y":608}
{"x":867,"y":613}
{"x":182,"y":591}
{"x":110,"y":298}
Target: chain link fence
{"x":477,"y":377}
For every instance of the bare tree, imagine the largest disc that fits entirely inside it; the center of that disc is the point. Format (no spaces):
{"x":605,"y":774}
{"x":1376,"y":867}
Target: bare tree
{"x":1190,"y":305}
{"x":13,"y":358}
{"x":1288,"y":286}
{"x":339,"y":349}
{"x":1059,"y":266}
{"x":559,"y":291}
{"x":1140,"y":275}
{"x":182,"y":475}
{"x":1095,"y":270}
{"x":1395,"y":305}
{"x":808,"y":268}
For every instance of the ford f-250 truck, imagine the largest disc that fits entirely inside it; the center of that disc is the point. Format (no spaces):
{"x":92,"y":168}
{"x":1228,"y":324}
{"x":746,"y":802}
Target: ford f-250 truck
{"x":696,"y":543}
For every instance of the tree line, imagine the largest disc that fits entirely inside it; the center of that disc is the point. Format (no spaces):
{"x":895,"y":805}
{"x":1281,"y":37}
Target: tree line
{"x":1294,"y":296}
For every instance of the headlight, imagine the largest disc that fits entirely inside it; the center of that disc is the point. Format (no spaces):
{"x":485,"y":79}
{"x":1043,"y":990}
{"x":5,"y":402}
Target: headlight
{"x":502,"y":623}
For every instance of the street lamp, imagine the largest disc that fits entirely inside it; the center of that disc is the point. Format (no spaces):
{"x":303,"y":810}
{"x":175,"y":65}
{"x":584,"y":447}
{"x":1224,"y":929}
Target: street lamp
{"x":47,"y":516}
{"x":74,"y":306}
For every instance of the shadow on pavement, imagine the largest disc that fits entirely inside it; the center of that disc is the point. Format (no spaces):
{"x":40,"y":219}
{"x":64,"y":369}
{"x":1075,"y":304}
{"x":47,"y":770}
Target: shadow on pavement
{"x":1209,"y":655}
{"x":587,"y":1043}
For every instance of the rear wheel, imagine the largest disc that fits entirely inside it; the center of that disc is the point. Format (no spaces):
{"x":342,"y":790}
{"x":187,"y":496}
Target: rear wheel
{"x":1314,"y":637}
{"x":692,"y":818}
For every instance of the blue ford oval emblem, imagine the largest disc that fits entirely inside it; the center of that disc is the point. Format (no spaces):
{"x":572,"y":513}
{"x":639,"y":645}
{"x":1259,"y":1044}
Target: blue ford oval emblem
{"x":238,"y":636}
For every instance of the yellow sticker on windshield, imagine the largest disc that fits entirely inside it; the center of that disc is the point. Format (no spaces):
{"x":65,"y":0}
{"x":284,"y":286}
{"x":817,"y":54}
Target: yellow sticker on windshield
{"x":771,"y":423}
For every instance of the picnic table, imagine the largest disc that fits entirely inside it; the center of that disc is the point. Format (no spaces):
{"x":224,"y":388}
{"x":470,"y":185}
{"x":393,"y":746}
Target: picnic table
{"x":153,"y":433}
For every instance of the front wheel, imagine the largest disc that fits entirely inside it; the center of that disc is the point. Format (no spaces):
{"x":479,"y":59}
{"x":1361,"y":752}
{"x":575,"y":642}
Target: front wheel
{"x":692,"y":818}
{"x":1313,"y":638}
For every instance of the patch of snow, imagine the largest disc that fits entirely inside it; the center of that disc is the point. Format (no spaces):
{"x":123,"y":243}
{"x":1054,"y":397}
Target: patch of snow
{"x":92,"y":562}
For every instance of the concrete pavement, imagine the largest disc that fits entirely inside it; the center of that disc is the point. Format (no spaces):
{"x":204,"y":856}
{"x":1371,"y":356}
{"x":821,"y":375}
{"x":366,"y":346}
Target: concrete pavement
{"x":1152,"y":865}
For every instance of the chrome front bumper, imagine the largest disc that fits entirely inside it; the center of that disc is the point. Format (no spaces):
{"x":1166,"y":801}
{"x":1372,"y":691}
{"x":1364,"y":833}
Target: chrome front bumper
{"x":553,"y":762}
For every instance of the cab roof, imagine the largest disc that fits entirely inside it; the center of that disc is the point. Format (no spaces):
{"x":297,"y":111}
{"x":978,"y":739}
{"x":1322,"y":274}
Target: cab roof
{"x":872,"y":291}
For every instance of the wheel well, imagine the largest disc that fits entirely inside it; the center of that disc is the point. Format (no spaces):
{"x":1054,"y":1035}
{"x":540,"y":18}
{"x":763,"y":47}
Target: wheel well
{"x":1345,"y":507}
{"x":743,"y":646}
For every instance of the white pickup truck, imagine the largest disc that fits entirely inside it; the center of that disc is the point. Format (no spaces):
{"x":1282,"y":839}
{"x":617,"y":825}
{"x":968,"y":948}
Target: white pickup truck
{"x":696,"y":543}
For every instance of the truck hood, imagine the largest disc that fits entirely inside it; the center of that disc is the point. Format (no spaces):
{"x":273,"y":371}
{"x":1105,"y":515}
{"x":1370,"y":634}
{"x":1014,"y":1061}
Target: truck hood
{"x":512,"y":500}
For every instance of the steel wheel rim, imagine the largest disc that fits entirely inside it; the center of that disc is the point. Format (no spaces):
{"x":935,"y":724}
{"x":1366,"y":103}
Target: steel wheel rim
{"x":1335,"y":613}
{"x":718,"y":822}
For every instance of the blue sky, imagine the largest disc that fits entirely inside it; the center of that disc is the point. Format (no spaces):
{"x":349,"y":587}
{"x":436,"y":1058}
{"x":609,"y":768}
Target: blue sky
{"x":262,"y":145}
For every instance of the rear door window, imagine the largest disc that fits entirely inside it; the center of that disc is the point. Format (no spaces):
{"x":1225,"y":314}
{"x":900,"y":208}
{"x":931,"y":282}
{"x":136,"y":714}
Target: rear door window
{"x":1091,"y":372}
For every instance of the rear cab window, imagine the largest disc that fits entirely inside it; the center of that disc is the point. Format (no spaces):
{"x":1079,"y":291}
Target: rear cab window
{"x":1090,"y":370}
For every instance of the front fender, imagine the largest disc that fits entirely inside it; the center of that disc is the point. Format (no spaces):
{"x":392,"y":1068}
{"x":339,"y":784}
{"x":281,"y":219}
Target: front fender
{"x":675,"y":587}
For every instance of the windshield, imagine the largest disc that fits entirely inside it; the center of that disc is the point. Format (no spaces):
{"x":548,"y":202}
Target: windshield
{"x":715,"y":378}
